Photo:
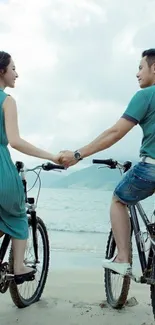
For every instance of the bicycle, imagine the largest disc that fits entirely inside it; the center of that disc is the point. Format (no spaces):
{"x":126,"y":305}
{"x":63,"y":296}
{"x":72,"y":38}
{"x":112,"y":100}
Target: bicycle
{"x":147,"y":263}
{"x":33,"y":251}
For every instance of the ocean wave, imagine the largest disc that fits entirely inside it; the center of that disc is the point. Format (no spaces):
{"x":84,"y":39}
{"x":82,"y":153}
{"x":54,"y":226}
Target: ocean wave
{"x":77,"y":249}
{"x":97,"y":250}
{"x":78,"y":230}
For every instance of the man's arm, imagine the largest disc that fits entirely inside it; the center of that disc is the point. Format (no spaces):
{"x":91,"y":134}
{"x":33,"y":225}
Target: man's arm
{"x":102,"y":142}
{"x":108,"y":137}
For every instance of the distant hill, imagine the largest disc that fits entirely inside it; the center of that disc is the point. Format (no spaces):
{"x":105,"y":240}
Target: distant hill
{"x":90,"y":177}
{"x":48,"y":178}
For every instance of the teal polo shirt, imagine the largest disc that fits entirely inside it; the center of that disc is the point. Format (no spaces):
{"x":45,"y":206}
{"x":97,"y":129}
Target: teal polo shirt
{"x":141,"y":110}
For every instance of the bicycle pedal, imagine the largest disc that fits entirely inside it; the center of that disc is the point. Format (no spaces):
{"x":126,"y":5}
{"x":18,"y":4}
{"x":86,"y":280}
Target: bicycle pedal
{"x":32,"y":266}
{"x":19,"y":279}
{"x":32,"y":278}
{"x":9,"y":277}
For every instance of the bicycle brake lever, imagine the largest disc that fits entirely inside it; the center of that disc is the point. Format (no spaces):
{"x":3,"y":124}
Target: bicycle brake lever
{"x":103,"y":167}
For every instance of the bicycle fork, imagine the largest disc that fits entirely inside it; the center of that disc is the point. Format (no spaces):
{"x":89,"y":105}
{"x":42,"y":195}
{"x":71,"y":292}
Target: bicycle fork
{"x":34,"y":234}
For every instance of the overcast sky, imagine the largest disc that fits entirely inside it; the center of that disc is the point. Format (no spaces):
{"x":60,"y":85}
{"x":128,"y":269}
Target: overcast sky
{"x":77,"y":61}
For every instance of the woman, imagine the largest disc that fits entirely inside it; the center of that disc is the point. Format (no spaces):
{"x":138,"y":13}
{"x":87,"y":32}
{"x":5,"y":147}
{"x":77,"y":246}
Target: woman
{"x":13,"y":218}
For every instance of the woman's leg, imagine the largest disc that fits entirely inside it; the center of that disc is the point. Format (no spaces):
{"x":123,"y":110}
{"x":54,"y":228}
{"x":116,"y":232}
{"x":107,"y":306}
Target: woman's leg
{"x":19,"y":247}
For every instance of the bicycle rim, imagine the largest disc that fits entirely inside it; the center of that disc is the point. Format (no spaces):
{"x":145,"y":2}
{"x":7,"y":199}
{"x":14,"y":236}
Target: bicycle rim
{"x":29,"y":292}
{"x":152,"y":287}
{"x":116,"y":286}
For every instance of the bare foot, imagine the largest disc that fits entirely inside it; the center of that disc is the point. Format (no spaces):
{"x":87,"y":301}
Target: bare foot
{"x":23,"y":270}
{"x":121,"y":260}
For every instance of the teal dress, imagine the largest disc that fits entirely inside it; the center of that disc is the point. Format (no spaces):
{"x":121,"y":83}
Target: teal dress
{"x":13,"y":218}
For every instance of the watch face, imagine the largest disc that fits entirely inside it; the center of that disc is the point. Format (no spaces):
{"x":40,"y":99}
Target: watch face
{"x":77,"y":155}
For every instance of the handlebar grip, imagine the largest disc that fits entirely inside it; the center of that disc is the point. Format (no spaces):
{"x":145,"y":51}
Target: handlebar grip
{"x":103,"y":161}
{"x":109,"y":162}
{"x":58,"y":167}
{"x":50,"y":166}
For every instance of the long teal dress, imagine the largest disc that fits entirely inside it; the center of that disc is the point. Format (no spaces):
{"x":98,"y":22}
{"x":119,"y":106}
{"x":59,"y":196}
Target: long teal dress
{"x":13,"y":218}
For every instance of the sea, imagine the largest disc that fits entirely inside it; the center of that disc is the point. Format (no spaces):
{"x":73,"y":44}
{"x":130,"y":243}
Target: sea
{"x":78,"y":225}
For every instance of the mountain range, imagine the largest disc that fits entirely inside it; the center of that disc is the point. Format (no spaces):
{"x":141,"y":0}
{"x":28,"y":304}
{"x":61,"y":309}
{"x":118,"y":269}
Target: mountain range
{"x":90,"y":177}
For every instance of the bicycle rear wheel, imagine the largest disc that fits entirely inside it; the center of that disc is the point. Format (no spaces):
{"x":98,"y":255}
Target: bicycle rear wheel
{"x":30,"y":292}
{"x":112,"y":280}
{"x":152,"y":287}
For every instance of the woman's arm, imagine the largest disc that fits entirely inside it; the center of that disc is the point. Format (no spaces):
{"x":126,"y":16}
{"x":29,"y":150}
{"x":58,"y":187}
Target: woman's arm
{"x":12,"y":132}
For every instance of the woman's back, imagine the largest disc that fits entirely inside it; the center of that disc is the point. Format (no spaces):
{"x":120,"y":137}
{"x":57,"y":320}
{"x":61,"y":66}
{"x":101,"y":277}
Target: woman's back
{"x":3,"y":137}
{"x":12,"y":205}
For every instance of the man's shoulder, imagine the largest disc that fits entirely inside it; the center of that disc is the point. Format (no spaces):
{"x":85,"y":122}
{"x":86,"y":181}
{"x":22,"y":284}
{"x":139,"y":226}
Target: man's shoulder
{"x":144,"y":93}
{"x":148,"y":90}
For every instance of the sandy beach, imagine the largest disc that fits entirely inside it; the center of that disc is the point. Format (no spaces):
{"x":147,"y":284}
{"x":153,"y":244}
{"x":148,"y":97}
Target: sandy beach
{"x":73,"y":297}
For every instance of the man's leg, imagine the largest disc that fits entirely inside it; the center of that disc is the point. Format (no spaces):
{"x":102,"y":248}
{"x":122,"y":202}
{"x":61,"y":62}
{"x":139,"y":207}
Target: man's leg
{"x":121,"y":228}
{"x":136,"y":185}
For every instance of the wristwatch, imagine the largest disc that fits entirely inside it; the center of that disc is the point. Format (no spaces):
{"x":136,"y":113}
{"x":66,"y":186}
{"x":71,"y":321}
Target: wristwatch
{"x":77,"y":155}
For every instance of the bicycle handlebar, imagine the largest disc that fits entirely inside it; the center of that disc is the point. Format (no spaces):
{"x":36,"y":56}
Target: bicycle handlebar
{"x":22,"y":171}
{"x":47,"y":166}
{"x":109,"y":162}
{"x":113,"y":164}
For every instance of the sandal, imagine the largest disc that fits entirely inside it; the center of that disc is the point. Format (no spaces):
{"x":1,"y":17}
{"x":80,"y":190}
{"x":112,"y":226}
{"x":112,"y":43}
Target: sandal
{"x":20,"y":278}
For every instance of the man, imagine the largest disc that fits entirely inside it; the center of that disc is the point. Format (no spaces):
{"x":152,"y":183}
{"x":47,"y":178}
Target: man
{"x":139,"y":182}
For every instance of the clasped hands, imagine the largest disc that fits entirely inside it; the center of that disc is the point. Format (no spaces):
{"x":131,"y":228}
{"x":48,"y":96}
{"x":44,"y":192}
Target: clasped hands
{"x":66,"y":158}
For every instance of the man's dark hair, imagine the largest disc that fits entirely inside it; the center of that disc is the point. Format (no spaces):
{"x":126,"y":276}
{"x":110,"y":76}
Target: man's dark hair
{"x":150,"y":56}
{"x":4,"y":61}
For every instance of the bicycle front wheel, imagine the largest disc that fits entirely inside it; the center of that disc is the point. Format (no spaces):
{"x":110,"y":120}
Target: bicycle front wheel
{"x":116,"y":286}
{"x":30,"y":292}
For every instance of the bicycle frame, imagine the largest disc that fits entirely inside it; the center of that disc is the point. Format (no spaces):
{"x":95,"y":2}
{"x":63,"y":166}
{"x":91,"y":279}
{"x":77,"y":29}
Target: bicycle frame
{"x":4,"y":247}
{"x":146,"y":264}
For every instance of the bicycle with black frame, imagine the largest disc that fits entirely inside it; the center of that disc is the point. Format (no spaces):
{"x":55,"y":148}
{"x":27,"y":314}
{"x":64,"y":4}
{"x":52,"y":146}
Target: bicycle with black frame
{"x":37,"y":253}
{"x":118,"y":299}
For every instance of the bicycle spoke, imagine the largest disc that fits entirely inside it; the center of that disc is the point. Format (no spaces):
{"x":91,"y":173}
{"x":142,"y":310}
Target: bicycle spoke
{"x":116,"y":286}
{"x":29,"y":258}
{"x":30,"y":291}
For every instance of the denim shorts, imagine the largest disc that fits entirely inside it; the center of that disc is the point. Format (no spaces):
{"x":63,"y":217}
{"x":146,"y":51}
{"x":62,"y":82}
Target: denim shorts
{"x":137,"y":184}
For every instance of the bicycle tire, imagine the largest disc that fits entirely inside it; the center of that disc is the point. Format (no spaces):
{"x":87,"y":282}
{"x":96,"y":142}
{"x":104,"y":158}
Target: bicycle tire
{"x":152,"y":288}
{"x":18,"y":300}
{"x":120,"y":302}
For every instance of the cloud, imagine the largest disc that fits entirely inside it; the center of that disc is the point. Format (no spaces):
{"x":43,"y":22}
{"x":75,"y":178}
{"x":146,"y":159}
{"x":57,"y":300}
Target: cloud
{"x":77,"y":62}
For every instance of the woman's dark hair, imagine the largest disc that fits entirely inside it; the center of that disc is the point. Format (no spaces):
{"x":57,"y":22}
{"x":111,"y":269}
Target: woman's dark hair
{"x":4,"y":61}
{"x":150,"y":56}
